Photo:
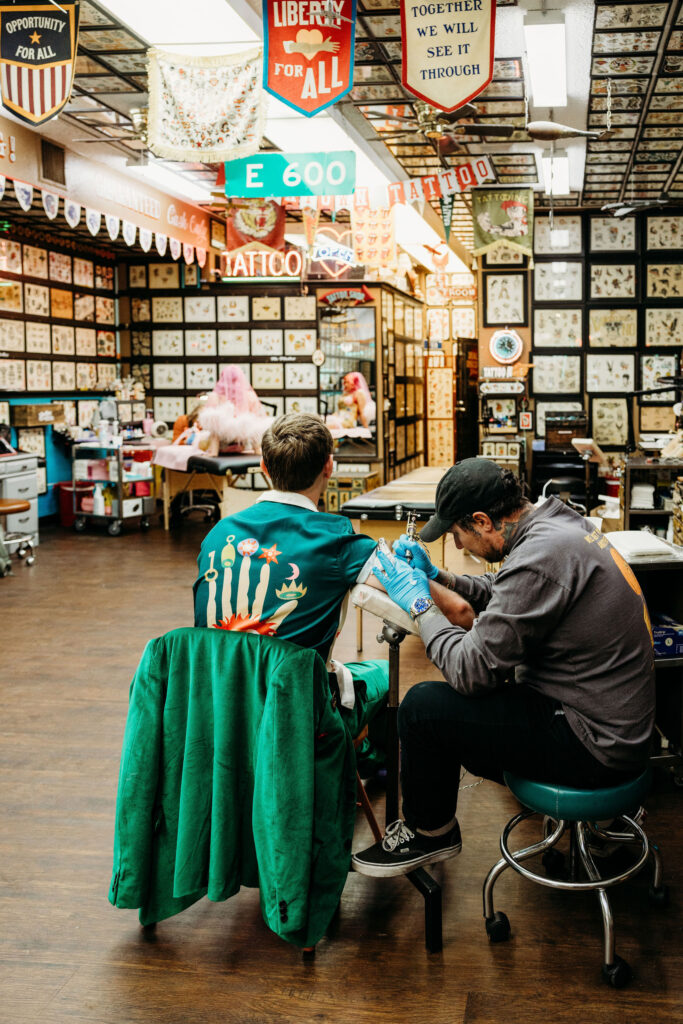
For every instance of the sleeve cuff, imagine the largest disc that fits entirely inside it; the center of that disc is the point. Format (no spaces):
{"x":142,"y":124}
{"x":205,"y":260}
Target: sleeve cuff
{"x":368,"y":567}
{"x":432,"y":622}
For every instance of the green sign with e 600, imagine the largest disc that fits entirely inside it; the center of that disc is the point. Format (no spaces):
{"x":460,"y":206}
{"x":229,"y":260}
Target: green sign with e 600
{"x":292,"y":174}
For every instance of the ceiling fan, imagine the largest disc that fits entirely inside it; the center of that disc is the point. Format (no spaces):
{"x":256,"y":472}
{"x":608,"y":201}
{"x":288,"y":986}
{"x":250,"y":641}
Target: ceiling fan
{"x":438,"y":126}
{"x":624,"y":208}
{"x":122,"y":129}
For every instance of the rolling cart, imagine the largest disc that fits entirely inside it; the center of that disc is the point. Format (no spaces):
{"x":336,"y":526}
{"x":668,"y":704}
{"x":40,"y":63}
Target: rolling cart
{"x":117,"y":469}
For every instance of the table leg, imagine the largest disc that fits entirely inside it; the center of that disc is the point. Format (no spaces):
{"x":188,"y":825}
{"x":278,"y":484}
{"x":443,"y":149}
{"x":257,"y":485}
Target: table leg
{"x":167,"y":500}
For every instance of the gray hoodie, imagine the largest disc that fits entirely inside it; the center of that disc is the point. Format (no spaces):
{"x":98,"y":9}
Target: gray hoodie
{"x":566,"y":616}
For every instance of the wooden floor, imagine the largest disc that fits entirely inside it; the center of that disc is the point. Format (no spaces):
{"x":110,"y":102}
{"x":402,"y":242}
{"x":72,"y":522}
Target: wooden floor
{"x":73,"y":628}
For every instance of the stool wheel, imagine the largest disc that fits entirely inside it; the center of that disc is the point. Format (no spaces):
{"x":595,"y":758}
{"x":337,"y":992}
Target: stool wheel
{"x":30,"y":560}
{"x":660,"y":897}
{"x":79,"y":524}
{"x":554,"y":862}
{"x":498,"y":927}
{"x":617,"y":974}
{"x":308,"y":953}
{"x":114,"y":528}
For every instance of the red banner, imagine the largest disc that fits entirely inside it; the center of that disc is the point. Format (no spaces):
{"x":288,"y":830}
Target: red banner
{"x":256,"y":222}
{"x":308,"y":52}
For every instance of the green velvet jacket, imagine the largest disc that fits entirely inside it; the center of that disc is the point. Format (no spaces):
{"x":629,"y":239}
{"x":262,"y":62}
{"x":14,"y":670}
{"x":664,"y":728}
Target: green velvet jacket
{"x":236,"y":770}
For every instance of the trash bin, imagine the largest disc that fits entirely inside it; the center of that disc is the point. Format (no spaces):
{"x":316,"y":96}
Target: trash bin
{"x":65,"y":490}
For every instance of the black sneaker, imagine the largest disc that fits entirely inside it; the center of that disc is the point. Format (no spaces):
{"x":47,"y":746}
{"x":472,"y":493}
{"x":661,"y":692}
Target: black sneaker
{"x":402,"y":850}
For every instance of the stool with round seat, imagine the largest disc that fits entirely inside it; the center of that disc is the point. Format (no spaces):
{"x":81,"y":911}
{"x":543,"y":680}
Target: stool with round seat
{"x":576,"y":811}
{"x":24,"y":541}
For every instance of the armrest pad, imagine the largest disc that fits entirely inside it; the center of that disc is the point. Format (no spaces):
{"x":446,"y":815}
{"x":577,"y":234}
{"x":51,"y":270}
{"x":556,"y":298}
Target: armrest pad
{"x":380,"y":604}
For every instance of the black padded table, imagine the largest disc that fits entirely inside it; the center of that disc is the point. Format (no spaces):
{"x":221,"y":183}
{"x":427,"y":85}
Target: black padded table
{"x":207,"y":472}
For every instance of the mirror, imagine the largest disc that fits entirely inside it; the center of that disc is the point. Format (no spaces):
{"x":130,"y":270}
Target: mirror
{"x":348,"y":384}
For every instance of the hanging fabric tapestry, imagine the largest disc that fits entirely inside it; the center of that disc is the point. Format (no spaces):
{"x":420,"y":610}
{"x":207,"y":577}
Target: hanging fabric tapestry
{"x":205,"y":108}
{"x":37,"y":52}
{"x":506,"y":215}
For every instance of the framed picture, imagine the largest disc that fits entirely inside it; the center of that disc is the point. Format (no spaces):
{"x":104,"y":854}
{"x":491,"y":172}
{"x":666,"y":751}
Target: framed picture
{"x":656,"y":417}
{"x":563,"y":240}
{"x":301,"y":377}
{"x":233,"y":343}
{"x":268,"y":376}
{"x":168,"y":409}
{"x":612,"y":234}
{"x":11,"y":298}
{"x":10,"y":257}
{"x":106,"y":343}
{"x":86,"y":376}
{"x":300,"y":307}
{"x":31,"y":439}
{"x":140,"y":310}
{"x":84,"y":273}
{"x":609,"y":419}
{"x":504,"y":256}
{"x":60,"y":267}
{"x":63,"y":376}
{"x":84,"y":306}
{"x":61,"y":303}
{"x":438,"y":324}
{"x":664,"y":281}
{"x":86,"y":342}
{"x":504,"y":413}
{"x":63,"y":340}
{"x":12,"y":335}
{"x":167,"y":310}
{"x":140,"y":343}
{"x":301,"y":341}
{"x":200,"y":309}
{"x":200,"y":342}
{"x":613,"y":328}
{"x":409,"y":322}
{"x":36,"y":299}
{"x":613,"y":281}
{"x":164,"y":275}
{"x":652,"y":367}
{"x":137,"y":275}
{"x":663,"y":326}
{"x":200,"y":376}
{"x":35,"y":261}
{"x":526,"y":420}
{"x":233,"y":308}
{"x":505,"y":299}
{"x":301,"y":404}
{"x":38,"y":375}
{"x":463,"y":322}
{"x":274,"y":405}
{"x":543,"y":408}
{"x":614,"y":372}
{"x":557,"y":374}
{"x":104,"y":276}
{"x":38,"y":337}
{"x":106,"y":375}
{"x":104,"y":310}
{"x":557,"y":328}
{"x":168,"y":376}
{"x":266,"y":307}
{"x":665,"y":232}
{"x":190,"y":275}
{"x":558,"y":282}
{"x":167,"y":343}
{"x":266,"y":343}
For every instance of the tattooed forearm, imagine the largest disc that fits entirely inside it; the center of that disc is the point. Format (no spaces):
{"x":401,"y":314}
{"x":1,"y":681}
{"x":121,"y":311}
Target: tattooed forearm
{"x":446,"y":579}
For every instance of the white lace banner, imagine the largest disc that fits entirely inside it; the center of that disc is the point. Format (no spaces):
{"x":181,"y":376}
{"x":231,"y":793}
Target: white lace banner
{"x":205,"y":108}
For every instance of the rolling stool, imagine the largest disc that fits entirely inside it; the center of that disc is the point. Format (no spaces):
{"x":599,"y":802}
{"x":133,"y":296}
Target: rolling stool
{"x":576,"y":811}
{"x":24,"y":541}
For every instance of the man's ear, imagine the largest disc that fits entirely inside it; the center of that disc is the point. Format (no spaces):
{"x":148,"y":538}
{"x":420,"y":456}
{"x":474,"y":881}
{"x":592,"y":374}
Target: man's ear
{"x":264,"y":470}
{"x":483,"y":521}
{"x":328,"y":468}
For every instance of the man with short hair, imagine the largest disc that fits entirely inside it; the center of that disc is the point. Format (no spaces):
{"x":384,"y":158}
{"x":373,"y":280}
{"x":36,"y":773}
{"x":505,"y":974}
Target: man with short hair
{"x":282,"y":568}
{"x":553,"y":681}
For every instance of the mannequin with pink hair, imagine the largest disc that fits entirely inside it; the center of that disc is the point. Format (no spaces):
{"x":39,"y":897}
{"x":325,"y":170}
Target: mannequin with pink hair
{"x":233,"y":414}
{"x":356,"y":402}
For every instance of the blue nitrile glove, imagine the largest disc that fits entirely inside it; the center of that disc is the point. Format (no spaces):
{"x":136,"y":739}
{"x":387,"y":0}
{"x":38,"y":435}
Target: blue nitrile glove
{"x":402,"y":582}
{"x":420,"y":558}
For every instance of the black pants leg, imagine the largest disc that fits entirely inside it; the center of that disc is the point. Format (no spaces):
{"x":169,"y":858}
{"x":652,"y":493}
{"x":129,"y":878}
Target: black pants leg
{"x":513,"y":728}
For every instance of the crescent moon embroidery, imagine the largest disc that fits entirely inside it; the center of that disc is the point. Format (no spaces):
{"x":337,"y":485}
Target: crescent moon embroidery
{"x":295,"y":572}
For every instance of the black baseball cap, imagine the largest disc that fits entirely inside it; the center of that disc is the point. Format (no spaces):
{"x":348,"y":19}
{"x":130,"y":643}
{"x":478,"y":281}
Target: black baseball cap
{"x":473,"y":485}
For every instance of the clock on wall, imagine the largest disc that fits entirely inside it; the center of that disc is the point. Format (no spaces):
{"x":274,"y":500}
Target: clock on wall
{"x":506,"y":346}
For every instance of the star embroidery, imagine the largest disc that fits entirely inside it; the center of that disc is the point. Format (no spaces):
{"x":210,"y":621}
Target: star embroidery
{"x":35,"y":38}
{"x":270,"y":554}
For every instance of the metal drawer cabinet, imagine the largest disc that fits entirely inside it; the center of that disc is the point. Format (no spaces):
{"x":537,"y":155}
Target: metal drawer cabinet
{"x":14,"y":464}
{"x":24,"y":486}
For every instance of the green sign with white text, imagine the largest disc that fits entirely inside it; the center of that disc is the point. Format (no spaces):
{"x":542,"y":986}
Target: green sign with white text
{"x":291,"y":174}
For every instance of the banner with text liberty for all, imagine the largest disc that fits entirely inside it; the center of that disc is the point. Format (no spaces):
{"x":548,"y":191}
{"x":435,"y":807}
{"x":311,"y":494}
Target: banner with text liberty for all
{"x":447,"y":49}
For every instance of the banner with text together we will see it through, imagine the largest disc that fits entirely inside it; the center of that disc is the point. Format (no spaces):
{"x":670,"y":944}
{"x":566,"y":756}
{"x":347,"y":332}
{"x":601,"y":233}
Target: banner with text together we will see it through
{"x":308,"y":51}
{"x":447,"y":49}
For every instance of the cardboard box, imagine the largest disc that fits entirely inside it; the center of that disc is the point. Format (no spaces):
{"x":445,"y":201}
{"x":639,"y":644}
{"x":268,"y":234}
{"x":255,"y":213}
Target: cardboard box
{"x":38,"y":415}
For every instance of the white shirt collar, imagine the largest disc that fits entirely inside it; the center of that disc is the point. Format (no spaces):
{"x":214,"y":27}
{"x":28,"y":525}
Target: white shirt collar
{"x":288,"y":498}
